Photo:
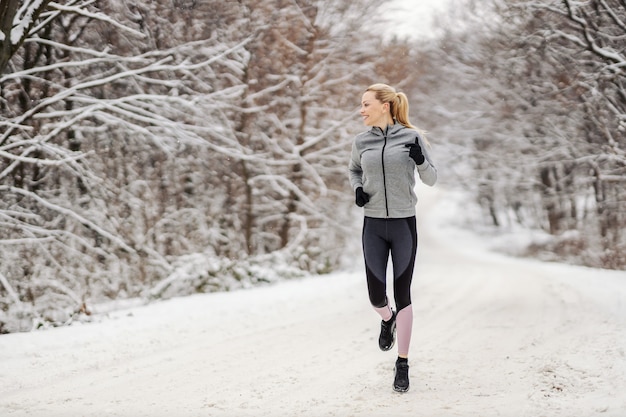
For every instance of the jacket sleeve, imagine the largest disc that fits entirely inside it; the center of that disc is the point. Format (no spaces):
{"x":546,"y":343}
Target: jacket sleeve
{"x":427,"y":170}
{"x":354,"y":168}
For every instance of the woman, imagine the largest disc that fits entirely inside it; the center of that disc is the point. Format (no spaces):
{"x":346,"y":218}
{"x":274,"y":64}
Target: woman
{"x":382,"y":175}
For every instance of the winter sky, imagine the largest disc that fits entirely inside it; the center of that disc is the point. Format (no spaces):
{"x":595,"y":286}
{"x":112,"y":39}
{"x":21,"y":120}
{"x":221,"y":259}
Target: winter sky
{"x":414,"y":18}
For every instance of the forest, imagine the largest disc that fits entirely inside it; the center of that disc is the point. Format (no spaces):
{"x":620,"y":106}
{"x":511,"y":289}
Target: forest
{"x":163,"y":148}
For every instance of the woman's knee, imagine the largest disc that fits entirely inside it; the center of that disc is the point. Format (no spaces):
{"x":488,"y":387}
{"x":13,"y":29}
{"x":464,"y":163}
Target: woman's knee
{"x":377,"y":291}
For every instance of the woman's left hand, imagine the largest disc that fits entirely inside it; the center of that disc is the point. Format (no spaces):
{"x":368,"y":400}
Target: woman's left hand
{"x":415,"y":152}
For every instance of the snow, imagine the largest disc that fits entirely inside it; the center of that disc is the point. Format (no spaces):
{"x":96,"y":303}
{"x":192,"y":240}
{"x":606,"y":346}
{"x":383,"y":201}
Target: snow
{"x":23,"y":19}
{"x":493,"y":336}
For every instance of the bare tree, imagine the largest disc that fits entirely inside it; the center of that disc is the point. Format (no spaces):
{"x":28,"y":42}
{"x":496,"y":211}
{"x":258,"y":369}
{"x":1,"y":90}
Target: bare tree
{"x":539,"y":94}
{"x":65,"y":101}
{"x":136,"y":136}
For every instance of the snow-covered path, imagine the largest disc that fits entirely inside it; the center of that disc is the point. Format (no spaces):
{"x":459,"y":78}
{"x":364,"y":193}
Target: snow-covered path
{"x":493,"y":336}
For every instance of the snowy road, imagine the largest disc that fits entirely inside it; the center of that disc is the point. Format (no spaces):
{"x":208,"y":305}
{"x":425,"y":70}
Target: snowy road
{"x":493,"y":336}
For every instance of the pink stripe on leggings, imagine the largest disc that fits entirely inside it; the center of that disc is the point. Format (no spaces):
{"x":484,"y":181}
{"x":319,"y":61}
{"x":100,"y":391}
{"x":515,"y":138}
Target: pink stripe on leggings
{"x":384,"y":312}
{"x":404,"y":327}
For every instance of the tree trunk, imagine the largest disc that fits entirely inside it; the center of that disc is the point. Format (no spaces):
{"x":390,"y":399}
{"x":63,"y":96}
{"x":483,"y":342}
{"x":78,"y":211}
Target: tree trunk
{"x":550,"y":199}
{"x":8,"y":8}
{"x":8,"y":47}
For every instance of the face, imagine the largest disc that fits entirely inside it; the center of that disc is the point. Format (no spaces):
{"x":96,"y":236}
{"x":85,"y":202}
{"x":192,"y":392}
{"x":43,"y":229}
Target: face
{"x":373,"y":112}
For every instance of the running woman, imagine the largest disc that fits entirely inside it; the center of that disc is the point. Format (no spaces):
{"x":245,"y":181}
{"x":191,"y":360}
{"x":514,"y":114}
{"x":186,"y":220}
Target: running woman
{"x":382,"y":174}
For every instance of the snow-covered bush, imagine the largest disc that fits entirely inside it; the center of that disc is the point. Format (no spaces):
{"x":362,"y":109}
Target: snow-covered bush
{"x":204,"y":272}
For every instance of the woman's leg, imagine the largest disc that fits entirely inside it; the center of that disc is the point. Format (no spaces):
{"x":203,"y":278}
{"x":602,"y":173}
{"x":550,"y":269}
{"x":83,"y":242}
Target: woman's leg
{"x":376,"y":251}
{"x":403,"y":251}
{"x":376,"y":254}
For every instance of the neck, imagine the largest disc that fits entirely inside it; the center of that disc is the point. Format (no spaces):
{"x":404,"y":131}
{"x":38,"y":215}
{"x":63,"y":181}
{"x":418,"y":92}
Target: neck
{"x":388,"y":122}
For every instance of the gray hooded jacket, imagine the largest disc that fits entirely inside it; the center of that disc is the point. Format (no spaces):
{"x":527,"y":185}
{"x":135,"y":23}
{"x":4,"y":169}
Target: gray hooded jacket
{"x":380,"y":163}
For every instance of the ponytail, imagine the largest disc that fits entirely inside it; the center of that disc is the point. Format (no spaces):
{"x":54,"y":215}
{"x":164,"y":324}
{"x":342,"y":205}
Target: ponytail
{"x":400,"y":110}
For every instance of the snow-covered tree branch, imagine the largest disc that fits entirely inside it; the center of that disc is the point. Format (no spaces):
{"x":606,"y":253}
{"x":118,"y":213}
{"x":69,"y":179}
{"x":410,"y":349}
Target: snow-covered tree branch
{"x":134,"y":136}
{"x":17,"y":20}
{"x":545,"y":120}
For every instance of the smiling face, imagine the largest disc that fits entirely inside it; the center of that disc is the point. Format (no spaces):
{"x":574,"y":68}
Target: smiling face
{"x":373,"y":112}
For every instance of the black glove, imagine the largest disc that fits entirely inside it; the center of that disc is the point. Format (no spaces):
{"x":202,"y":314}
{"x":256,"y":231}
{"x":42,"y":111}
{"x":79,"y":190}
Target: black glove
{"x":415,"y":152}
{"x":361,"y":197}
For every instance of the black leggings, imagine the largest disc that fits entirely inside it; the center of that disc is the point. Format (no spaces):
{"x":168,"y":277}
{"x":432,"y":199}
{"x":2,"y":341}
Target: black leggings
{"x":381,"y":237}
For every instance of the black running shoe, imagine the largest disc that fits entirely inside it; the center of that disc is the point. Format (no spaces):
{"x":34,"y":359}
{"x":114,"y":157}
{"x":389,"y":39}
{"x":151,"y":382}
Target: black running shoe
{"x":387,"y":333}
{"x":401,"y":380}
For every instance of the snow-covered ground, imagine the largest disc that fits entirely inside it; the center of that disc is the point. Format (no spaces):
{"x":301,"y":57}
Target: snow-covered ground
{"x":493,"y":336}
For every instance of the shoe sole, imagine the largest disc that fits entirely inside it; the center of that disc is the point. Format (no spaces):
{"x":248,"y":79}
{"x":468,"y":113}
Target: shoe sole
{"x":400,"y":389}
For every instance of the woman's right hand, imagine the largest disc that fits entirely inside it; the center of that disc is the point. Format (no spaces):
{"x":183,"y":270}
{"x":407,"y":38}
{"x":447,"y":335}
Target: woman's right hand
{"x":361,"y":197}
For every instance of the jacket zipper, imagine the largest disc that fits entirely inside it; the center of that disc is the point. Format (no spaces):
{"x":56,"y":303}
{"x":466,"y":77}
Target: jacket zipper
{"x":384,"y":177}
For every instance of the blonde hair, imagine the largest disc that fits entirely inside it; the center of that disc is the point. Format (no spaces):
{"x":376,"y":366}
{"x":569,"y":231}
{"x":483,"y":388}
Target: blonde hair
{"x":398,"y":105}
